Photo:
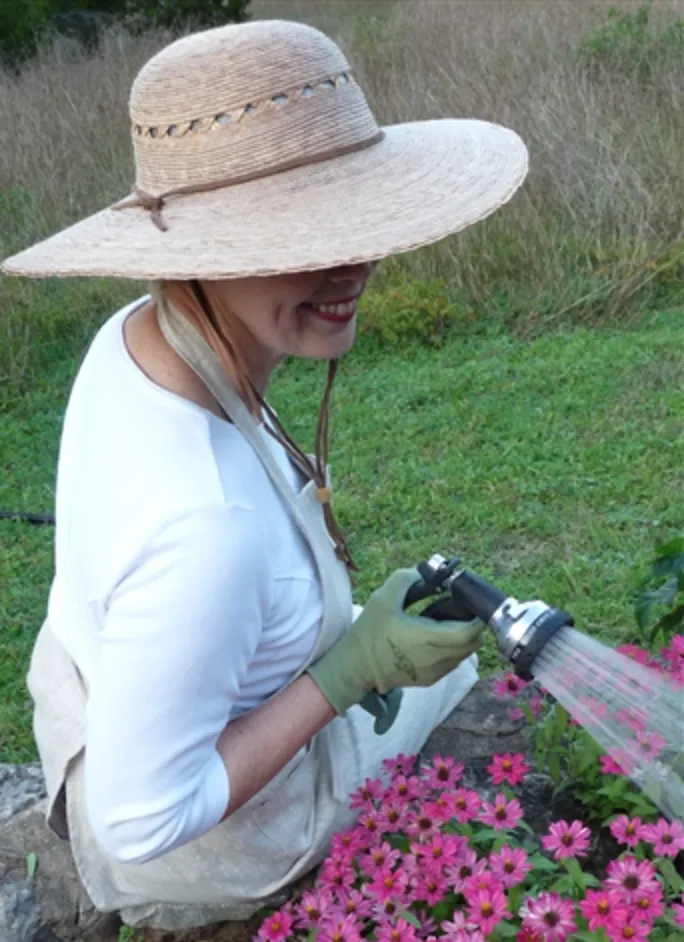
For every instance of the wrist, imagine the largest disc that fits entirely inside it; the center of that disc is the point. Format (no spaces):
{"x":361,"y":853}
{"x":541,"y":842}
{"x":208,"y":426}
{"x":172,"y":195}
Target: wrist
{"x":341,"y":688}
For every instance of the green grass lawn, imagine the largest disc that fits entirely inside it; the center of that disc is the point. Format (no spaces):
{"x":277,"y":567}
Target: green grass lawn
{"x":552,"y":466}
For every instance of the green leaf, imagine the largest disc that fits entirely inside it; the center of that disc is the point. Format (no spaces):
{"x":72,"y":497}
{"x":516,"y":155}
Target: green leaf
{"x":505,"y":930}
{"x":486,"y":835}
{"x":672,"y":620}
{"x":564,"y":884}
{"x":539,"y":862}
{"x":555,"y":766}
{"x":667,"y":868}
{"x":575,"y":871}
{"x":31,"y":864}
{"x":410,"y":917}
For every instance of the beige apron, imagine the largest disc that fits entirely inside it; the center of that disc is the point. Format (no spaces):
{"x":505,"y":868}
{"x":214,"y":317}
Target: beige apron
{"x":283,"y":831}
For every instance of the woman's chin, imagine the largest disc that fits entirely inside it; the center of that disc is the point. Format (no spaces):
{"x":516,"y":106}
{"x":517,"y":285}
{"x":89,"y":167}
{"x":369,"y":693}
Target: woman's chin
{"x":333,"y":344}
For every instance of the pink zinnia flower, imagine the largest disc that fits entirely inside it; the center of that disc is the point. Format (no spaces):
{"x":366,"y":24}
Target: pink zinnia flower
{"x":465,"y":868}
{"x":443,"y":807}
{"x":527,"y":935}
{"x":312,"y":907}
{"x":385,"y":909}
{"x":336,"y":875}
{"x":457,"y":923}
{"x":510,"y":865}
{"x":347,"y":844}
{"x":339,"y":929}
{"x":678,"y":911}
{"x":567,"y":840}
{"x":486,"y":908}
{"x":391,"y":815}
{"x":508,"y":685}
{"x":401,"y":764}
{"x":508,"y":767}
{"x":354,"y":903}
{"x":405,"y":788}
{"x":482,"y":880}
{"x":650,"y":745}
{"x":636,"y":654}
{"x":398,"y":930}
{"x":648,"y":905}
{"x":632,"y":876}
{"x":549,"y":916}
{"x":382,"y":855}
{"x":388,"y":884}
{"x":667,"y":837}
{"x":367,"y":823}
{"x":631,"y":930}
{"x":610,"y":767}
{"x":603,"y":908}
{"x":430,"y":886}
{"x":419,"y":825}
{"x":443,"y":772}
{"x":440,"y":848}
{"x":276,"y":927}
{"x":626,"y":830}
{"x":373,"y":789}
{"x":634,"y":717}
{"x":503,"y":814}
{"x":466,"y":805}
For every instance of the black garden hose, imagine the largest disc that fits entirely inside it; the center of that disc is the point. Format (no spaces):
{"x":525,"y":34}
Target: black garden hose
{"x":38,"y":520}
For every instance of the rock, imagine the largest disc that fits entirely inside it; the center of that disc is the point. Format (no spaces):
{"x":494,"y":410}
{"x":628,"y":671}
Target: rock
{"x":59,"y":902}
{"x":20,"y":919}
{"x":20,"y":787}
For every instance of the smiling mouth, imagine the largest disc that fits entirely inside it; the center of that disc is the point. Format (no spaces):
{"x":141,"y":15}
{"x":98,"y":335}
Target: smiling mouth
{"x":339,"y":312}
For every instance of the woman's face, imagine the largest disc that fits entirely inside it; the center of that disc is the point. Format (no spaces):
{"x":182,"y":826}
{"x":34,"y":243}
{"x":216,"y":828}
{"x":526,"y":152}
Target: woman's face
{"x":306,"y":314}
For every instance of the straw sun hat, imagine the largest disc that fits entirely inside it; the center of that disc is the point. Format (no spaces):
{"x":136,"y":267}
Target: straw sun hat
{"x":257,"y":153}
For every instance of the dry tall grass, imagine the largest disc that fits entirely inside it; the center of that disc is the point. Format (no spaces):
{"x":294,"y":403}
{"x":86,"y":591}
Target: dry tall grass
{"x":598,"y":223}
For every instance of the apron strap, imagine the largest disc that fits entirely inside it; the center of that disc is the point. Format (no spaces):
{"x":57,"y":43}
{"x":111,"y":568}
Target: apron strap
{"x":189,"y":344}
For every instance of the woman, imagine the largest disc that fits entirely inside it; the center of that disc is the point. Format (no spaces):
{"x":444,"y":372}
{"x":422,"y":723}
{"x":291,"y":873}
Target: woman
{"x":198,"y":678}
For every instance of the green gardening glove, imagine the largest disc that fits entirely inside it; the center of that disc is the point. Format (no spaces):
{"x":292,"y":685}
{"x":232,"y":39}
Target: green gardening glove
{"x":386,"y":647}
{"x":384,"y":708}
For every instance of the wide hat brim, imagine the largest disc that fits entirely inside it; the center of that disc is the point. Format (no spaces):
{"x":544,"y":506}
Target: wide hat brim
{"x":422,"y":182}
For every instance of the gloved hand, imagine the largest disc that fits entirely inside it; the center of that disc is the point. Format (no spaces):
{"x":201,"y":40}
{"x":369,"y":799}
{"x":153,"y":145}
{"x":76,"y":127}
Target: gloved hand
{"x":386,"y":647}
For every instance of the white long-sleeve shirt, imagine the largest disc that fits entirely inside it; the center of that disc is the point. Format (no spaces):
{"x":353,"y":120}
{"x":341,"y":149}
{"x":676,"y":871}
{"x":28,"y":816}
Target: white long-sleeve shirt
{"x":183,"y":591}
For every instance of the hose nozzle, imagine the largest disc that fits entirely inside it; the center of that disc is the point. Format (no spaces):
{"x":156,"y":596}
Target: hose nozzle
{"x":521,"y":629}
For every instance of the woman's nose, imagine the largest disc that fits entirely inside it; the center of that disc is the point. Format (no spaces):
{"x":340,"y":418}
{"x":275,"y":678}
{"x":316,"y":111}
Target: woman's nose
{"x":359,"y":272}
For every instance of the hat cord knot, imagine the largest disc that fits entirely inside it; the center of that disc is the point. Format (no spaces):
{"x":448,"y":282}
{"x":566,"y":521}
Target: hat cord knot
{"x":147,"y":201}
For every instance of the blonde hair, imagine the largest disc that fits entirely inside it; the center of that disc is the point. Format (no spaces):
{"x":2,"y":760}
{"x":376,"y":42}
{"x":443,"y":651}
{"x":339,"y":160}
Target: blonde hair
{"x":228,"y":337}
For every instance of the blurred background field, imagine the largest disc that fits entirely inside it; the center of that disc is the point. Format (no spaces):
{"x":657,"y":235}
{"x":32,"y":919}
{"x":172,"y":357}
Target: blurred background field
{"x":516,"y":393}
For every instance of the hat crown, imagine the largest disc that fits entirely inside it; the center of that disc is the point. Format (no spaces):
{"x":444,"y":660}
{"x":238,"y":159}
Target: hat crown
{"x":244,"y":101}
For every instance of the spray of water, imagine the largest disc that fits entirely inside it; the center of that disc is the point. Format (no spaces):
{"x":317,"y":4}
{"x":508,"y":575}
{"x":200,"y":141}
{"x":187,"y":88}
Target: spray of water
{"x":632,"y":710}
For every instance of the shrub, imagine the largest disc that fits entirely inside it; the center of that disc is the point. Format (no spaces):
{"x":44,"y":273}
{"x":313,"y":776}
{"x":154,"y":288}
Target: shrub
{"x":410,"y":311}
{"x":632,"y":44}
{"x":179,"y":13}
{"x":23,"y":26}
{"x":663,"y":593}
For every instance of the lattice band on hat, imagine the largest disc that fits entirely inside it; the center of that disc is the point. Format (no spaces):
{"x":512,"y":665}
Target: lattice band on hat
{"x":232,"y":118}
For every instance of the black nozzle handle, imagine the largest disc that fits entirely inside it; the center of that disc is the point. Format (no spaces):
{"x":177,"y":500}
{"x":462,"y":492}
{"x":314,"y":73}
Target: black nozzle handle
{"x":478,"y":596}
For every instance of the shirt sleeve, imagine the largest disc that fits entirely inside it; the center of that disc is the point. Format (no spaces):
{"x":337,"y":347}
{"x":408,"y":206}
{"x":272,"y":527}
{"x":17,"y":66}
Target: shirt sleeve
{"x":179,"y":634}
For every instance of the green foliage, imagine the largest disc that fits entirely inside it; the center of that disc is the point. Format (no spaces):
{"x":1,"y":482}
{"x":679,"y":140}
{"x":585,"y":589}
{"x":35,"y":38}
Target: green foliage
{"x":633,"y":44}
{"x":126,"y":934}
{"x":409,"y":311}
{"x":23,"y":25}
{"x":198,"y":14}
{"x":662,"y":594}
